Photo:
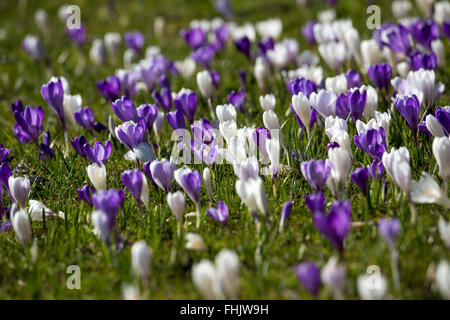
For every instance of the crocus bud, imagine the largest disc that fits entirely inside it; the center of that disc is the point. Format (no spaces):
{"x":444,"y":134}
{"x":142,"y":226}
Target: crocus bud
{"x":176,"y":202}
{"x":204,"y":83}
{"x":308,"y":274}
{"x":227,"y":268}
{"x":97,"y":175}
{"x":397,"y":166}
{"x":141,"y":259}
{"x":438,"y":49}
{"x":442,"y":279}
{"x":261,"y":71}
{"x":252,"y":193}
{"x":267,"y":102}
{"x":341,"y":163}
{"x":389,"y":229}
{"x":112,"y":42}
{"x":444,"y":231}
{"x":97,"y":54}
{"x":186,"y":67}
{"x":441,"y":151}
{"x":136,"y":183}
{"x":270,"y":120}
{"x":19,"y":188}
{"x":33,"y":47}
{"x":100,"y":222}
{"x":333,"y":276}
{"x":401,"y":8}
{"x":285,"y":213}
{"x":226,"y":112}
{"x":337,"y":84}
{"x":204,"y":279}
{"x":302,"y":108}
{"x":228,"y":130}
{"x":371,"y":53}
{"x":371,"y":286}
{"x":434,"y":126}
{"x":159,"y":123}
{"x":208,"y":185}
{"x":161,"y":173}
{"x":21,"y":224}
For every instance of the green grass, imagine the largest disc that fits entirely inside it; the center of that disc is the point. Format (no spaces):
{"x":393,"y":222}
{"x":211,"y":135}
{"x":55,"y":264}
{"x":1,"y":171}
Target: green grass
{"x":61,"y":243}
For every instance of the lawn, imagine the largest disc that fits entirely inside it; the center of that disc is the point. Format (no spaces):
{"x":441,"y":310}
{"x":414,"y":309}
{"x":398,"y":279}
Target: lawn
{"x":267,"y":256}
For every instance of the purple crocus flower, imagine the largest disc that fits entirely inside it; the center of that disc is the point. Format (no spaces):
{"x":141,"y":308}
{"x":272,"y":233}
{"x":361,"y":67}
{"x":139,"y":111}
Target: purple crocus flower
{"x":336,"y":224}
{"x":99,"y":153}
{"x":133,"y":180}
{"x":202,"y":131}
{"x":134,"y":40}
{"x":353,"y":79}
{"x":109,"y":202}
{"x":396,"y":37}
{"x":125,"y":109}
{"x":421,"y":60}
{"x":53,"y":94}
{"x":265,"y":45}
{"x":424,"y":32}
{"x":243,"y":45}
{"x":5,"y":226}
{"x":5,"y":173}
{"x":203,"y":56}
{"x":361,"y":178}
{"x":78,"y":145}
{"x":77,"y":35}
{"x":423,"y":128}
{"x":259,"y":137}
{"x":161,"y":173}
{"x":215,"y":77}
{"x":302,"y":85}
{"x":17,"y":106}
{"x":110,"y":88}
{"x":312,"y":118}
{"x":186,"y":102}
{"x":176,"y":120}
{"x":45,"y":147}
{"x":191,"y":183}
{"x":352,"y":103}
{"x":446,"y":28}
{"x":286,"y":211}
{"x":332,"y":145}
{"x":315,"y":202}
{"x":316,"y":173}
{"x":409,"y":108}
{"x":128,"y":80}
{"x":242,"y":76}
{"x":29,"y":124}
{"x":443,"y":117}
{"x":4,"y":154}
{"x":380,"y":75}
{"x":372,"y":142}
{"x":224,"y":8}
{"x":194,"y":37}
{"x":237,"y":99}
{"x":85,"y":193}
{"x":85,"y":118}
{"x":221,"y":36}
{"x":131,"y":134}
{"x":220,"y":214}
{"x":163,"y":98}
{"x":308,"y":274}
{"x":205,"y":152}
{"x":308,"y":32}
{"x":149,"y":113}
{"x":376,"y":170}
{"x":389,"y":229}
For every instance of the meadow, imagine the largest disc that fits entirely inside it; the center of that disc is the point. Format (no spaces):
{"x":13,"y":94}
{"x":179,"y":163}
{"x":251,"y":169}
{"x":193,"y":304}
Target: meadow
{"x":268,"y":255}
